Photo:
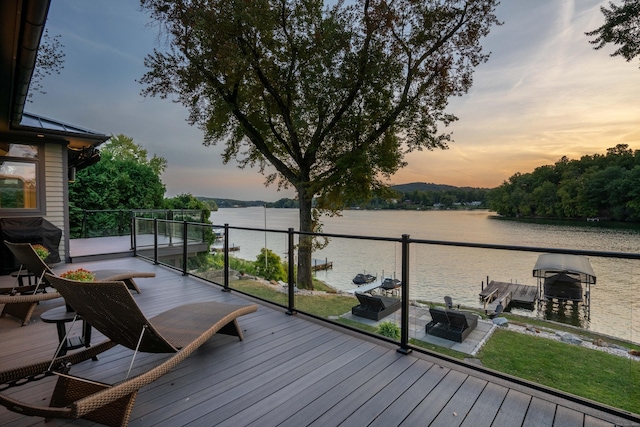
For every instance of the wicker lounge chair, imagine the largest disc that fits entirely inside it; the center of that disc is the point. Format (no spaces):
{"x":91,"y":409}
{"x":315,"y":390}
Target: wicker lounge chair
{"x":28,"y":257}
{"x":110,"y":308}
{"x":22,"y":306}
{"x":21,"y":301}
{"x":375,"y":307}
{"x":453,"y":325}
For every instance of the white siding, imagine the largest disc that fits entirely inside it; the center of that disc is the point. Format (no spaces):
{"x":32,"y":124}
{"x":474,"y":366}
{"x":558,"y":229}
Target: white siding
{"x":55,"y":179}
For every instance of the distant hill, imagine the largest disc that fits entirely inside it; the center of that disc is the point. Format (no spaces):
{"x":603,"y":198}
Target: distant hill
{"x":424,"y":186}
{"x":231,"y":203}
{"x":290,"y":203}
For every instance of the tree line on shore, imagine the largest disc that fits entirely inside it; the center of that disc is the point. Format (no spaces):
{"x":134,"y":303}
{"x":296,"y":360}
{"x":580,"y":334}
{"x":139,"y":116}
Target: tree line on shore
{"x":604,"y":186}
{"x":413,"y":196}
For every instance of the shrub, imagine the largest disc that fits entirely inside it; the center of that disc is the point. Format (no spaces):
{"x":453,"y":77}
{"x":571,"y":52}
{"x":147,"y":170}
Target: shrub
{"x":389,"y":329}
{"x":269,"y":266}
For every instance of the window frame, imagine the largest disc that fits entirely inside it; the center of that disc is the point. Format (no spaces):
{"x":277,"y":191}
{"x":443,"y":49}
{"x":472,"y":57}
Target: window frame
{"x":40,"y":192}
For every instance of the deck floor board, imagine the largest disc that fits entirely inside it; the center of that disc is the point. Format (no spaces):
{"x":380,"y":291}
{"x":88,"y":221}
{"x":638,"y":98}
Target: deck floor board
{"x":288,"y":371}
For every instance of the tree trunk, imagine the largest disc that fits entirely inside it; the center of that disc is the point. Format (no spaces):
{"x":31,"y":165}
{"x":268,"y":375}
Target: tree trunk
{"x":304,"y":279}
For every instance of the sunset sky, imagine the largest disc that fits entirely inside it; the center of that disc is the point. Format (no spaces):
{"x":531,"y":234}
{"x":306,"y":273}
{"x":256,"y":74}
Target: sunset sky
{"x":543,"y":94}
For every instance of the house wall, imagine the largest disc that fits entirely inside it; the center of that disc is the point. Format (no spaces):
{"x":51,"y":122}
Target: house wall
{"x":55,"y":178}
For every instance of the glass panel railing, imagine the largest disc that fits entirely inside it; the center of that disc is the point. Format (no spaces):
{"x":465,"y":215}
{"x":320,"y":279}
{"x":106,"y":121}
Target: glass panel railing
{"x":484,"y":303}
{"x":356,"y":284}
{"x":258,"y":264}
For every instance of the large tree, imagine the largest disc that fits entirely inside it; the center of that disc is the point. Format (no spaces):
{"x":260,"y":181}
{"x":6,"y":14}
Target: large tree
{"x":124,"y":178}
{"x":331,"y":96}
{"x":621,"y":27}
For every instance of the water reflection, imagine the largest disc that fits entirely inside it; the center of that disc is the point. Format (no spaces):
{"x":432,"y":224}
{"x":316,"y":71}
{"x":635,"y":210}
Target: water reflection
{"x":569,"y":312}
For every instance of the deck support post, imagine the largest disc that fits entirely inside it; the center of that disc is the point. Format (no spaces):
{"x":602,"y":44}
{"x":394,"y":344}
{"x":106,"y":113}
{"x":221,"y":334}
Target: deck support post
{"x":134,"y":243}
{"x":184,"y":249}
{"x":226,"y":259}
{"x":291,"y":307}
{"x":155,"y":241}
{"x":404,"y":322}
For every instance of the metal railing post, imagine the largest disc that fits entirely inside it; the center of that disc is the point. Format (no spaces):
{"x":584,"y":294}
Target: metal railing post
{"x":226,"y":258}
{"x":184,"y":248}
{"x":291,"y":308}
{"x":404,"y":321}
{"x":155,"y":241}
{"x":83,"y":233}
{"x":134,"y":244}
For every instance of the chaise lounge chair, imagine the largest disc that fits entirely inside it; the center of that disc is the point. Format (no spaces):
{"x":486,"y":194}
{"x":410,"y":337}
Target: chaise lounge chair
{"x":110,"y":308}
{"x":20,"y":305}
{"x":453,"y":325}
{"x":27,"y":256}
{"x":375,"y":307}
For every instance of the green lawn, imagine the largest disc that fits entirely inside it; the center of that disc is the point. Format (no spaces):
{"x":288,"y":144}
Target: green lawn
{"x":593,"y":374}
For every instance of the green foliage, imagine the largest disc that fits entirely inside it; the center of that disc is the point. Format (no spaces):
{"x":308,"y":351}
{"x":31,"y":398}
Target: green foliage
{"x":187,"y":201}
{"x":242,"y":265}
{"x":606,"y":186}
{"x":428,"y":196}
{"x":332,"y":97}
{"x":269,"y":266}
{"x":121,"y":147}
{"x":122,"y":179}
{"x":285,"y":203}
{"x":621,"y":27}
{"x":389,"y":329}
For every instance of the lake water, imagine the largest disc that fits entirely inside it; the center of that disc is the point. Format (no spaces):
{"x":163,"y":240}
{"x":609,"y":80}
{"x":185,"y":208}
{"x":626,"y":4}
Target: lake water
{"x":436,"y":271}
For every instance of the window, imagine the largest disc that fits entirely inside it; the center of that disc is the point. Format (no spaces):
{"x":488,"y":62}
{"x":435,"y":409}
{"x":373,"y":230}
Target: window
{"x":19,"y":170}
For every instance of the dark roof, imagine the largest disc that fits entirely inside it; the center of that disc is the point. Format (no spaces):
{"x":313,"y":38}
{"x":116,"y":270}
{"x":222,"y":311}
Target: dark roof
{"x":21,"y":26}
{"x":33,"y":121}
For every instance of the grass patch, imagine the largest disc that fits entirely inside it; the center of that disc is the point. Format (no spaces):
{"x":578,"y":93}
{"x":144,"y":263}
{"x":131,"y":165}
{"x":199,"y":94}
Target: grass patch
{"x":592,"y":374}
{"x":319,"y":305}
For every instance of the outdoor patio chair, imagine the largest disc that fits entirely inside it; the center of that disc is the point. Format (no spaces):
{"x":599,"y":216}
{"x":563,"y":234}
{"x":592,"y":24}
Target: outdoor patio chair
{"x":375,"y":307}
{"x":22,"y":306}
{"x":453,"y":325}
{"x":110,"y":308}
{"x":448,"y":302}
{"x":27,"y":256}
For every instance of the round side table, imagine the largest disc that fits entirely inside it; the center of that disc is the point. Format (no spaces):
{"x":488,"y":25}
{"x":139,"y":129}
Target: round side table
{"x":60,"y":316}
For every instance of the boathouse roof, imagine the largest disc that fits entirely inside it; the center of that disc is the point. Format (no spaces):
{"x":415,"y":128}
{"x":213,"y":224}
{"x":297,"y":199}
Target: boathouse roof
{"x":562,"y":263}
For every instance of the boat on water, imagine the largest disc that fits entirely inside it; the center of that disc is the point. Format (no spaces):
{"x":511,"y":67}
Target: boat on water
{"x":389,"y":284}
{"x":564,"y":277}
{"x":363,"y":279}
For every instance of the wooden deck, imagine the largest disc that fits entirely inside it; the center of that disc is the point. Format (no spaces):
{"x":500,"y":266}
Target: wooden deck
{"x":290,"y":371}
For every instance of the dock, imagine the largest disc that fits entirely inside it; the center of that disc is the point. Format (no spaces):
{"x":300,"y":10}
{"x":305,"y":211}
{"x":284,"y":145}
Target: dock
{"x":365,"y":288}
{"x":506,"y":293}
{"x":321,"y":264}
